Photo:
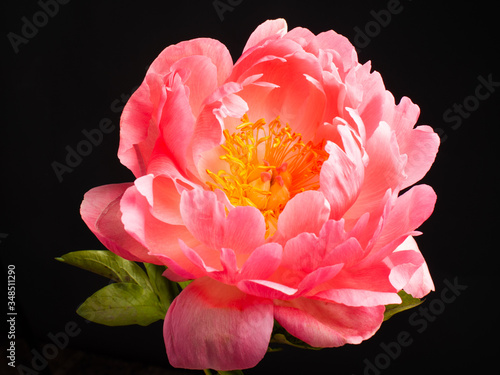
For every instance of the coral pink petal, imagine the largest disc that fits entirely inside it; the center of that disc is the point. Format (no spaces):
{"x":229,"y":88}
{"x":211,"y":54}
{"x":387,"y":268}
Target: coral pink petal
{"x":267,"y":289}
{"x":176,"y":122}
{"x":263,"y":261}
{"x":211,"y":48}
{"x":204,"y":216}
{"x":159,"y":237}
{"x":270,"y":29}
{"x":135,"y":148}
{"x":323,"y":324}
{"x":244,"y":229}
{"x":100,"y":210}
{"x":212,"y":325}
{"x":306,"y":212}
{"x":162,"y":196}
{"x":361,"y":286}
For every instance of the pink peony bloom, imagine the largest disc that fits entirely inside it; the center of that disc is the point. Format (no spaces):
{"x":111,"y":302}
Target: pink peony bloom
{"x":274,"y":184}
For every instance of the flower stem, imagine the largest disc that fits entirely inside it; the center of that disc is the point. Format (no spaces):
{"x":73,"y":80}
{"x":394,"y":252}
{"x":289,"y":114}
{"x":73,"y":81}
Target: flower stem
{"x":234,"y":372}
{"x":207,"y":372}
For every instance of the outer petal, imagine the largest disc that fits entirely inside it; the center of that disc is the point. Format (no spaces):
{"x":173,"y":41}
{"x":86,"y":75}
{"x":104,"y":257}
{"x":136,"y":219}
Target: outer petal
{"x":100,"y":210}
{"x":158,"y":237}
{"x":139,"y":121}
{"x":416,"y":281}
{"x":212,"y":325}
{"x":324,"y":324}
{"x":409,"y":212}
{"x":270,"y":29}
{"x":421,"y":149}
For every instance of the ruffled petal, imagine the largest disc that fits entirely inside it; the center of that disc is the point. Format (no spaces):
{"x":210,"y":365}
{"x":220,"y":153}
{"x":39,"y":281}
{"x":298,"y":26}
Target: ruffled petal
{"x":341,"y":176}
{"x":212,"y":325}
{"x":205,"y":217}
{"x":306,"y":212}
{"x":161,"y":239}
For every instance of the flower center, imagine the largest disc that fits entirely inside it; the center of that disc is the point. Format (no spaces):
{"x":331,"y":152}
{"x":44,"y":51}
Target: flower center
{"x":267,"y":166}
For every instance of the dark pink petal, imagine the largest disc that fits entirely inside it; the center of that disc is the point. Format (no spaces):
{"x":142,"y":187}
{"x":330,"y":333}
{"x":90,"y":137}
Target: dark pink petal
{"x":212,"y":325}
{"x":100,"y":210}
{"x":323,"y":324}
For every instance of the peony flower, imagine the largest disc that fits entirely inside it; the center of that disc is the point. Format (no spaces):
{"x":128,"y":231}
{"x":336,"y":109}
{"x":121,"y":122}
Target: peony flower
{"x":274,"y":183}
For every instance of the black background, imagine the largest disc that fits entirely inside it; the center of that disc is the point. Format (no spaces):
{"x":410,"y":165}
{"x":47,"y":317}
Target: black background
{"x":88,"y":57}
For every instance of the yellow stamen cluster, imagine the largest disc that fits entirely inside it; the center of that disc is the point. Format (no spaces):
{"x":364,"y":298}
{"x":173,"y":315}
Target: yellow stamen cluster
{"x":267,"y":166}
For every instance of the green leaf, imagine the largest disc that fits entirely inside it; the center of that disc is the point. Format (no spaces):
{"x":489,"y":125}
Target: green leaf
{"x":408,"y":303}
{"x":122,"y":304}
{"x":107,"y":264}
{"x":184,"y":284}
{"x":165,"y":289}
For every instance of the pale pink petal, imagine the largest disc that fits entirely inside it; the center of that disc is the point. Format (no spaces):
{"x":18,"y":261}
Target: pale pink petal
{"x":410,"y":210}
{"x":385,"y":170}
{"x":343,"y":52}
{"x":269,"y":30}
{"x":323,"y":324}
{"x":341,"y":179}
{"x":421,"y":148}
{"x":417,"y":282}
{"x":306,"y":212}
{"x":212,"y":325}
{"x":100,"y":210}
